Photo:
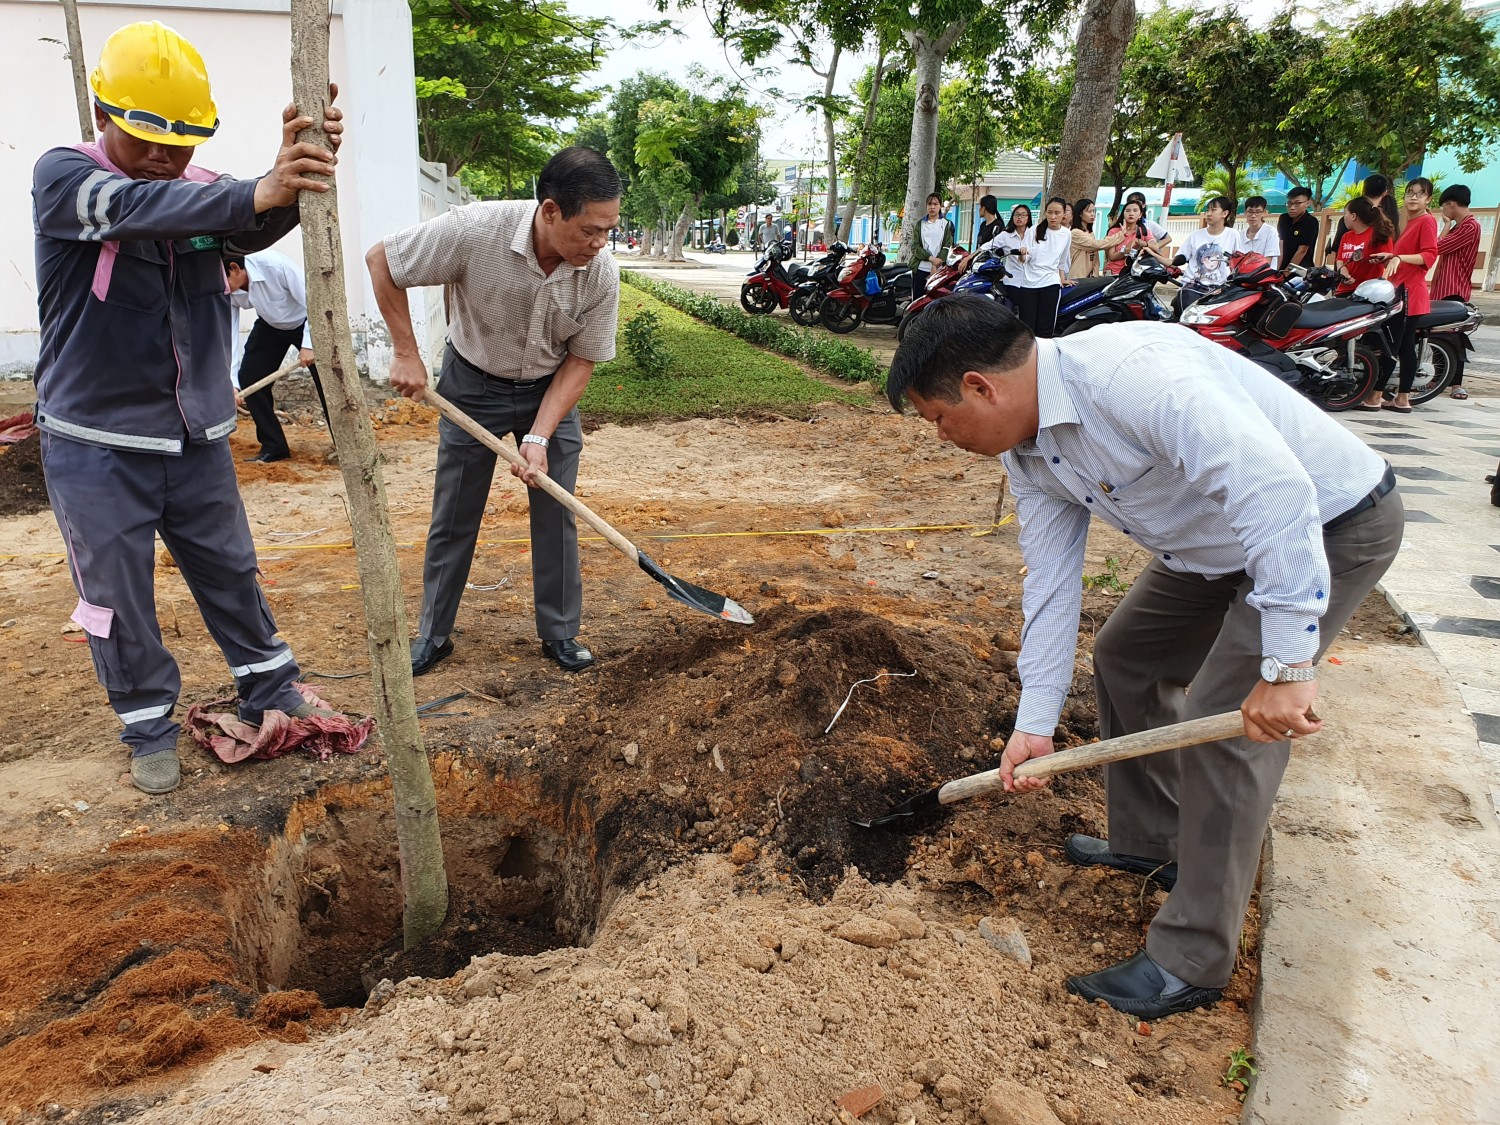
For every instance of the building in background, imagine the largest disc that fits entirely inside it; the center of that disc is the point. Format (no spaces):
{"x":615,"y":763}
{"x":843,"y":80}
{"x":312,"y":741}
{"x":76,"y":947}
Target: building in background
{"x":246,"y":45}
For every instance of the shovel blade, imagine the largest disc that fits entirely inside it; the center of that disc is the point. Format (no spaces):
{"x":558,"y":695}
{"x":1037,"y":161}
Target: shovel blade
{"x":912,"y":806}
{"x":696,"y":597}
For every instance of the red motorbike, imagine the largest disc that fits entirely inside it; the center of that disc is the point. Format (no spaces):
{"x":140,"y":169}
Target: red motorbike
{"x":867,"y":291}
{"x":769,"y":287}
{"x":1316,"y":348}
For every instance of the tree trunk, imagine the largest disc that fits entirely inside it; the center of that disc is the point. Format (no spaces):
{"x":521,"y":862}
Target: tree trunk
{"x":80,"y":70}
{"x":921,"y":176}
{"x":680,"y":229}
{"x":864,"y":147}
{"x":424,"y":883}
{"x":831,"y":200}
{"x":1103,"y":35}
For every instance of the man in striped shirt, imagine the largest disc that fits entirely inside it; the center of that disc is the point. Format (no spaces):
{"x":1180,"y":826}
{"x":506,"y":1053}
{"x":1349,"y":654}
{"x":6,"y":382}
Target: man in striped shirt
{"x":1457,"y":250}
{"x":1269,"y":524}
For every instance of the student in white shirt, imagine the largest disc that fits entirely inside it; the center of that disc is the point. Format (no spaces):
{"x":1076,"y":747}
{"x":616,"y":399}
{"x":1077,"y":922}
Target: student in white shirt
{"x":1207,"y":251}
{"x":931,"y":242}
{"x":272,"y":285}
{"x":1036,"y":283}
{"x":1256,"y":237}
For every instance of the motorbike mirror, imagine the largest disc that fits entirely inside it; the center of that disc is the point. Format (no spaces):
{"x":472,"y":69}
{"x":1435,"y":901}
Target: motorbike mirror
{"x":1180,"y":260}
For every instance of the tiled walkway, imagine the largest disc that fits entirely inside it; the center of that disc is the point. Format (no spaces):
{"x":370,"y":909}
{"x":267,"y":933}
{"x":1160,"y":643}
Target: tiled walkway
{"x":1446,"y":580}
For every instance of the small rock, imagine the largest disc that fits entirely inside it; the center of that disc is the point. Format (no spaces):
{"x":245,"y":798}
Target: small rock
{"x":124,"y":1025}
{"x":1010,"y":1103}
{"x":907,"y":923}
{"x":928,"y":1071}
{"x":929,"y":574}
{"x":1006,"y":936}
{"x":864,"y":930}
{"x":786,"y":675}
{"x":755,"y":957}
{"x":859,"y":1102}
{"x":513,"y":1064}
{"x":810,"y":768}
{"x":650,"y":1030}
{"x":834,"y":518}
{"x":744,"y":851}
{"x":1097,"y":948}
{"x":949,"y":1089}
{"x":673,"y":791}
{"x":631,"y":752}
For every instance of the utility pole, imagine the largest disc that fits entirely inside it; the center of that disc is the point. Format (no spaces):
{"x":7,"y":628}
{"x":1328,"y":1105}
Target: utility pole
{"x":80,"y":70}
{"x":424,"y":883}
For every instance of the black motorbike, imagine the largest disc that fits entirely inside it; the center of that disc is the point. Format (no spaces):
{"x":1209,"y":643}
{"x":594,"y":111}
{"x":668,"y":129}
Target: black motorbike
{"x":813,"y":285}
{"x":1130,"y":295}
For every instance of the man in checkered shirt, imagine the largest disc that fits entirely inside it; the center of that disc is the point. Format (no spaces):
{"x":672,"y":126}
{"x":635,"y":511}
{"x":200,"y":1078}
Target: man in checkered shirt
{"x":533,"y":299}
{"x":1268,"y":523}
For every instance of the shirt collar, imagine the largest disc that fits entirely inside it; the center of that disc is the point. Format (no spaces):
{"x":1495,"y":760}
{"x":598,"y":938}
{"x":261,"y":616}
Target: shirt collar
{"x":1054,"y":404}
{"x":253,"y":269}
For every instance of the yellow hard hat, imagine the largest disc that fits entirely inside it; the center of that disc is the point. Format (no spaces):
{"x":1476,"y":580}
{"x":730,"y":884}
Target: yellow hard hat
{"x":152,"y":83}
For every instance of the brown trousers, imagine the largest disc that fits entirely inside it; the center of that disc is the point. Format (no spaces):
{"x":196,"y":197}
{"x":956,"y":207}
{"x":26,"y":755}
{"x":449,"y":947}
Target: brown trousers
{"x":1208,"y":807}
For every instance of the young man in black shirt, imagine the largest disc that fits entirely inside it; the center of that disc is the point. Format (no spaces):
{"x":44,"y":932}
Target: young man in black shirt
{"x":1298,"y":229}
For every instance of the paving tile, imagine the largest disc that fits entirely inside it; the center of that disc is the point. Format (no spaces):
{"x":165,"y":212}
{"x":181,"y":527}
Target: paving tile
{"x":1488,"y":587}
{"x":1486,"y":452}
{"x":1402,"y":450}
{"x":1422,"y":472}
{"x":1461,"y":425}
{"x":1488,"y":727}
{"x":1421,"y":490}
{"x":1414,"y":516}
{"x":1467,"y":626}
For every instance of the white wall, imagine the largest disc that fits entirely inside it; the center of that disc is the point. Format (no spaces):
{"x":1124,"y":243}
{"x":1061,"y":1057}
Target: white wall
{"x":246,"y":45}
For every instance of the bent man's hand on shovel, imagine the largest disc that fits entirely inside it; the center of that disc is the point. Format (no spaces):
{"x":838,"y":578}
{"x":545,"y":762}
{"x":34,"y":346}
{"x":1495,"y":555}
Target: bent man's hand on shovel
{"x":1022,"y":747}
{"x":1276,"y":712}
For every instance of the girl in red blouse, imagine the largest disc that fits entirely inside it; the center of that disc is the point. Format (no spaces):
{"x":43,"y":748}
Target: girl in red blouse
{"x":1367,"y":234}
{"x":1406,"y":264}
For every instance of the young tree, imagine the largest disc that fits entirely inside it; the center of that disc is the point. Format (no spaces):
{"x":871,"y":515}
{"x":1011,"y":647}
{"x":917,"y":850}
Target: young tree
{"x":640,"y":203}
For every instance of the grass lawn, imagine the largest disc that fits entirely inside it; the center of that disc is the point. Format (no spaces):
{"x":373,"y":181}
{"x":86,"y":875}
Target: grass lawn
{"x":712,"y":373}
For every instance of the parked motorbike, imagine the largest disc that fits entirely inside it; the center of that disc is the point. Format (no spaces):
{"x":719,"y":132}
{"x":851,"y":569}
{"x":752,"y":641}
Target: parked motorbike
{"x":814,"y":284}
{"x":868,"y":291}
{"x":1127,"y":296}
{"x":1443,"y":338}
{"x":768,"y":287}
{"x":984,"y":276}
{"x":1319,"y":348}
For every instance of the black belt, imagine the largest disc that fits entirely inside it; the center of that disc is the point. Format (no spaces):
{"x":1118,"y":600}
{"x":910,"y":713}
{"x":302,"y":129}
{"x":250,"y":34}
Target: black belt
{"x":1370,"y":499}
{"x":458,"y":355}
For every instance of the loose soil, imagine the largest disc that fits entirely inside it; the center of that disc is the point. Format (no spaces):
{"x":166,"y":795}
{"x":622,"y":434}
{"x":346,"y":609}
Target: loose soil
{"x":22,"y":488}
{"x":652,"y":861}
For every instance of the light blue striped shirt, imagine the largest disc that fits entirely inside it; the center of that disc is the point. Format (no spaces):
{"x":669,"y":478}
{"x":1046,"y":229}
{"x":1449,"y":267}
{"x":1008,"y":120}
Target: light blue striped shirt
{"x":1200,"y":456}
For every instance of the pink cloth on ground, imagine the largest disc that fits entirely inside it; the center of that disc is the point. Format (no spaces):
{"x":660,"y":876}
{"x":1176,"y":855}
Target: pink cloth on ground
{"x":18,"y":427}
{"x":217,"y":727}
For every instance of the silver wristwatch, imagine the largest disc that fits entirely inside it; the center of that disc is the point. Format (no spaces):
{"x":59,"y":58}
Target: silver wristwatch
{"x":534,"y":439}
{"x":1274,"y":671}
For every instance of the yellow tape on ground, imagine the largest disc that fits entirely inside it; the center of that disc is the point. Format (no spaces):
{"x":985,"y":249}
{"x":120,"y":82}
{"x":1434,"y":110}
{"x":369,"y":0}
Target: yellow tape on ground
{"x":345,"y":545}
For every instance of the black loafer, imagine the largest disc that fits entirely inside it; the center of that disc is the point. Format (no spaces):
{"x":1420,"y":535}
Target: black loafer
{"x":1090,"y":851}
{"x":1137,"y":988}
{"x":425,"y":655}
{"x":267,"y":458}
{"x":569,"y":653}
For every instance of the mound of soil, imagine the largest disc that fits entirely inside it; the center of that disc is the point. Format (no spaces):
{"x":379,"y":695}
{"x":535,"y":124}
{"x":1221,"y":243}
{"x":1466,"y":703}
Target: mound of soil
{"x":22,"y":487}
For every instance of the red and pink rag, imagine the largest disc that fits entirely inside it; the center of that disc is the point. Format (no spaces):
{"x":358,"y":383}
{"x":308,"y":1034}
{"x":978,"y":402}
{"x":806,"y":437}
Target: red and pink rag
{"x":216,"y":726}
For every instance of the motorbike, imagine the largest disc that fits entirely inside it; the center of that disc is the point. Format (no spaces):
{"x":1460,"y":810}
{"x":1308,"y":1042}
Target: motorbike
{"x":813,"y":285}
{"x":1318,"y":347}
{"x":984,"y":277}
{"x":716,"y":247}
{"x":1126,"y":296}
{"x":768,"y":287}
{"x":868,"y":291}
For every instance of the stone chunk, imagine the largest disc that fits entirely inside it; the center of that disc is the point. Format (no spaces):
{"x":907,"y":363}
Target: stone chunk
{"x":1010,"y":1103}
{"x":907,"y":924}
{"x":859,"y":1102}
{"x":864,"y":930}
{"x":1006,"y":936}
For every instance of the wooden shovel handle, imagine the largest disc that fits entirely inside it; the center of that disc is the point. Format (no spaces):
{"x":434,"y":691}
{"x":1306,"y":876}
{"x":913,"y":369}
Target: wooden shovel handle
{"x":262,"y":384}
{"x":1194,"y":732}
{"x":543,"y":481}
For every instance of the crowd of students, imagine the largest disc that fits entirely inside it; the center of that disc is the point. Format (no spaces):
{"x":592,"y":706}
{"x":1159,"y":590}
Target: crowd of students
{"x":1374,"y":239}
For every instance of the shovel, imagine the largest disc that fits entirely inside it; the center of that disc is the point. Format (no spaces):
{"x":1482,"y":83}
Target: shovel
{"x":262,"y":384}
{"x":694,"y":597}
{"x":1194,"y":732}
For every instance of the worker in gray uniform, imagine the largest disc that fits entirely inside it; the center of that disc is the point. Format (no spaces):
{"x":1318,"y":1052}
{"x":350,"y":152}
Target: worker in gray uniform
{"x":134,"y":398}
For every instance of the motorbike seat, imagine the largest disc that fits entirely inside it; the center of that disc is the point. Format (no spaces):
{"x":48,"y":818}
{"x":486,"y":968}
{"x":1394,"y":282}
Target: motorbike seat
{"x":1083,"y":287}
{"x":1443,"y":312}
{"x":1325,"y":314}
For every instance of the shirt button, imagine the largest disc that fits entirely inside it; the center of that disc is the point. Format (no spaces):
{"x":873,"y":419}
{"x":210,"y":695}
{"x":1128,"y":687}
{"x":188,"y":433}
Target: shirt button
{"x":1167,"y":557}
{"x":1126,"y":530}
{"x":1090,"y":499}
{"x":1057,"y":460}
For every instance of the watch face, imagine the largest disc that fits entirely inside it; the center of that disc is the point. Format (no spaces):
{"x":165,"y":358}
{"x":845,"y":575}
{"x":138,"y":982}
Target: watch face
{"x":1269,"y":667}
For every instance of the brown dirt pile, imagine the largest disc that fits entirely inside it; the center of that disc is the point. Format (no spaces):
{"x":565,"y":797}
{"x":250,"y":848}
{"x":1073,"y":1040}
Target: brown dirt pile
{"x":701,"y":1003}
{"x":22,"y":487}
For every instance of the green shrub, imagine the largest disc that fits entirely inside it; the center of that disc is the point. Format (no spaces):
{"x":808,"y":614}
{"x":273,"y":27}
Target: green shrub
{"x":816,"y":349}
{"x":644,"y":343}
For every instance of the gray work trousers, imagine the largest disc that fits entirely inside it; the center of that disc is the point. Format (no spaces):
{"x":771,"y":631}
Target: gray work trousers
{"x":1207,"y":807}
{"x":465,"y":470}
{"x":110,"y":505}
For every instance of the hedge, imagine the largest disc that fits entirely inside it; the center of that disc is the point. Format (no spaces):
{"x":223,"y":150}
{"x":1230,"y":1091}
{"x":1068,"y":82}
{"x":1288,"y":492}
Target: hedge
{"x":818,"y":351}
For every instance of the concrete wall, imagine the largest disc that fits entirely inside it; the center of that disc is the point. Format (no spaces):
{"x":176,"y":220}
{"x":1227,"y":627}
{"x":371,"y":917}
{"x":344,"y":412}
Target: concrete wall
{"x":246,"y":46}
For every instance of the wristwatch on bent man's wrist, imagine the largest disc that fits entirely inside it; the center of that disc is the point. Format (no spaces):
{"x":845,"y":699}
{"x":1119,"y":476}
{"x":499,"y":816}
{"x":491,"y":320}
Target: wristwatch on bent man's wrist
{"x":1274,"y":671}
{"x":534,"y":439}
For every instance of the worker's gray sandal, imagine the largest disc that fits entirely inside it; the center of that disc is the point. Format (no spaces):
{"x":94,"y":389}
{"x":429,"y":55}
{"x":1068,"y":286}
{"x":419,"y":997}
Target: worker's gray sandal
{"x":156,"y":773}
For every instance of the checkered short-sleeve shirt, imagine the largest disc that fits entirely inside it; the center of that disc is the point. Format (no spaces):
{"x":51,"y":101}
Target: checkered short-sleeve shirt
{"x":505,"y":315}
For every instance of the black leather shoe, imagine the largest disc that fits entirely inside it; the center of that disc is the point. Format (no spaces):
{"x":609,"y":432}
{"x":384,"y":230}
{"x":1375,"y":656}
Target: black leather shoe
{"x":425,"y":655}
{"x":1137,"y":988}
{"x":1089,"y":851}
{"x":570,"y":654}
{"x":269,"y":457}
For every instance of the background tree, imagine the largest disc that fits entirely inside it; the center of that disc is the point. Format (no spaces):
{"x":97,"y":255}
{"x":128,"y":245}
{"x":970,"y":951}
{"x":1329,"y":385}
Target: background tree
{"x":1149,"y":92}
{"x":493,"y":79}
{"x":639,"y":204}
{"x":1104,"y":34}
{"x":1319,"y":134}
